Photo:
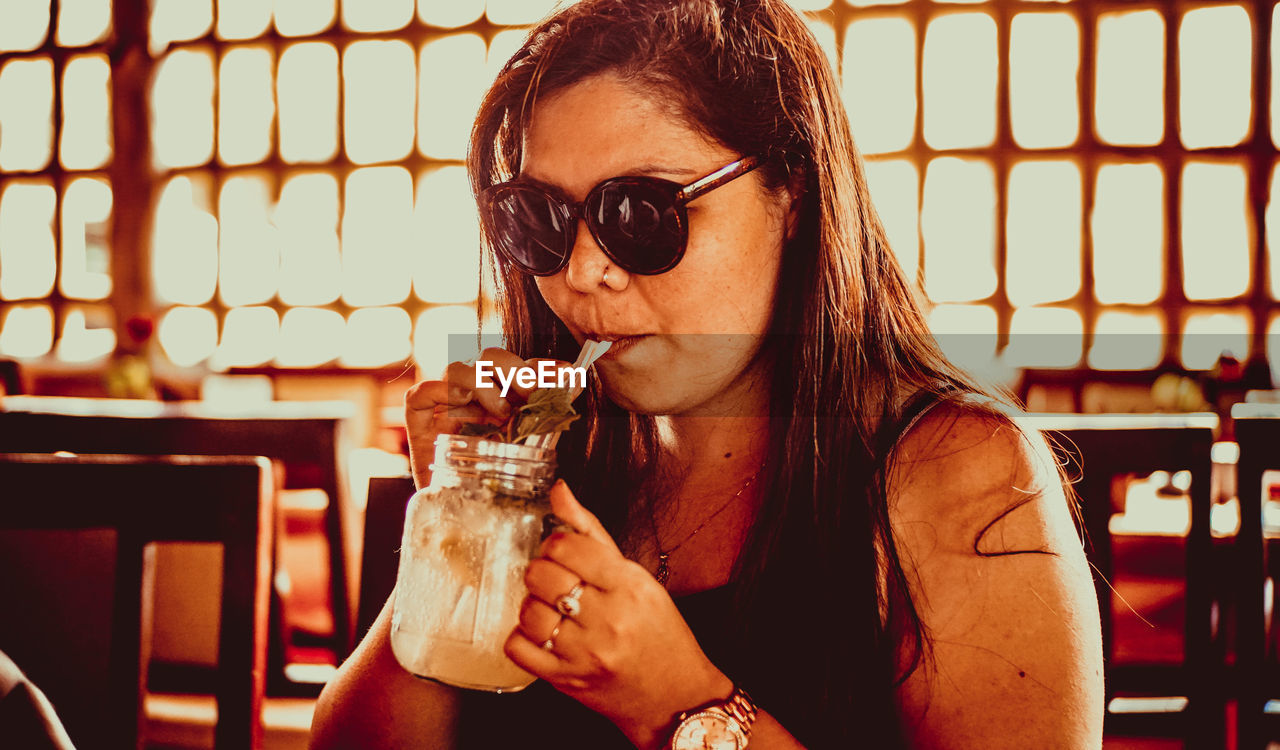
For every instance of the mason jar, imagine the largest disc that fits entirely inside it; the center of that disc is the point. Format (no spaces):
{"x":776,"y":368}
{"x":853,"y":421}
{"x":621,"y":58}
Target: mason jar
{"x":468,"y":537}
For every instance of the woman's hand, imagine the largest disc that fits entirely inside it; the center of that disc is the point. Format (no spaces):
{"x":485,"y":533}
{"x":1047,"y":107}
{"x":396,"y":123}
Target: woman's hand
{"x":627,"y":654}
{"x":435,"y":407}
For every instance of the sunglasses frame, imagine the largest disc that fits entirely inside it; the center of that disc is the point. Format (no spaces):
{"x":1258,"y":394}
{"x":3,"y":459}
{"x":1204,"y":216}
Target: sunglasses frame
{"x":572,"y":213}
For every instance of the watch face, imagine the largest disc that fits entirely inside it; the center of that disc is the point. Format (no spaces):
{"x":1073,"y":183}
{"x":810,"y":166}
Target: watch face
{"x":709,"y":730}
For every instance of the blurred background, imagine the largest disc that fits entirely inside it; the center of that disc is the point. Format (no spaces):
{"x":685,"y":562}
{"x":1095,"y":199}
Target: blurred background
{"x":228,"y":206}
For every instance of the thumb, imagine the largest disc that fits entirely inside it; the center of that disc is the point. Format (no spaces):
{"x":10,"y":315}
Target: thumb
{"x":568,"y":509}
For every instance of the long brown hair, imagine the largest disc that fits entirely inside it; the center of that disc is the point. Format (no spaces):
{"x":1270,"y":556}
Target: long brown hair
{"x":750,"y":75}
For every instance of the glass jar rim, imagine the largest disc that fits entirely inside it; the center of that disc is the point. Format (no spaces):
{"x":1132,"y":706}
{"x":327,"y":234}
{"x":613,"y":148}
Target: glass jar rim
{"x":480,"y":447}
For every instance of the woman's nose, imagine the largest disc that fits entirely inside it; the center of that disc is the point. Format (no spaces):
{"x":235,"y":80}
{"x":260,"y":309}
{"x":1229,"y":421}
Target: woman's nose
{"x":588,"y":264}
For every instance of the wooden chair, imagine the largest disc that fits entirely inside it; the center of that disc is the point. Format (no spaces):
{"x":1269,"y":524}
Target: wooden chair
{"x":10,"y":377}
{"x":1100,"y":448}
{"x":307,"y":438}
{"x":225,"y":500}
{"x":1257,"y":430}
{"x":383,"y":528}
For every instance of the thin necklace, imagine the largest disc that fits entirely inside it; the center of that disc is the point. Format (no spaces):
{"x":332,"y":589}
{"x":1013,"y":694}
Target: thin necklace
{"x":664,"y":556}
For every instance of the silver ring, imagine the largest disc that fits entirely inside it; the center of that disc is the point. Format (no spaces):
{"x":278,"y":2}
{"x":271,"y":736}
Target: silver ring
{"x":605,"y":278}
{"x":570,"y":605}
{"x":550,"y":643}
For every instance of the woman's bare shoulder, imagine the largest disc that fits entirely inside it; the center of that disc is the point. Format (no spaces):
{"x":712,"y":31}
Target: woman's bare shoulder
{"x":999,"y":578}
{"x":977,"y":477}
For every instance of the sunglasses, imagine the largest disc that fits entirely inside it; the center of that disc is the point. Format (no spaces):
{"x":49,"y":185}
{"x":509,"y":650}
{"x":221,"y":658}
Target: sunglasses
{"x":639,"y":222}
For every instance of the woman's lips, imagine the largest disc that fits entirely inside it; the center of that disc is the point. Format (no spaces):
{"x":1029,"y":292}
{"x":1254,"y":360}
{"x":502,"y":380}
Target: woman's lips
{"x":620,"y":344}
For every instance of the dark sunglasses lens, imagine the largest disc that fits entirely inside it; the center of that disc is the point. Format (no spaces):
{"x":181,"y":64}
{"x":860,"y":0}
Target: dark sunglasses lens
{"x":528,"y":228}
{"x":639,"y":224}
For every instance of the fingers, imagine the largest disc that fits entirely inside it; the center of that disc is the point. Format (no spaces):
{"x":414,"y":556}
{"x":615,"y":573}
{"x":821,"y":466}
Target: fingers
{"x":533,"y":658}
{"x":567,"y":507}
{"x":539,"y":621}
{"x":461,"y":376}
{"x":549,"y":580}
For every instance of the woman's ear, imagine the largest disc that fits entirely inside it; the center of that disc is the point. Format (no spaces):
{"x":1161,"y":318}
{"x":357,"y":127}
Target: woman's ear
{"x":795,"y":201}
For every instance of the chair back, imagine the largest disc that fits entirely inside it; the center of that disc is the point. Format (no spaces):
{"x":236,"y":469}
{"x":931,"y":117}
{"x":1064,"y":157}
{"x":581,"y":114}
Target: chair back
{"x":1257,"y":431}
{"x":135,"y":501}
{"x":307,"y":438}
{"x":1098,"y":449}
{"x":383,"y":529}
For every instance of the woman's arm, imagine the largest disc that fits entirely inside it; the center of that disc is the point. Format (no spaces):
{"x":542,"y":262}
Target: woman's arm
{"x":1000,"y":581}
{"x":372,"y":702}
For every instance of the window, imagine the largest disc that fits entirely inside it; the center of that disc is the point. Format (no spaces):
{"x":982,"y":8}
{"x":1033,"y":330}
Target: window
{"x":1102,"y":174}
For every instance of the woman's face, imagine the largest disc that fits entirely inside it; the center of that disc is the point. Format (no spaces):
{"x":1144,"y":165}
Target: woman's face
{"x":684,"y":339}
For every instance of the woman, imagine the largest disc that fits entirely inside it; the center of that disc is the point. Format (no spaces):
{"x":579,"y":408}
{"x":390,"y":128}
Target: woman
{"x":801,"y":516}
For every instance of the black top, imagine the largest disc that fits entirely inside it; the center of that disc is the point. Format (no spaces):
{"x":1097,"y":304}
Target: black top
{"x":767,"y":664}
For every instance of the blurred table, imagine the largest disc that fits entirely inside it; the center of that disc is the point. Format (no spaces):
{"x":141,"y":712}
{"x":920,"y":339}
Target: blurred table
{"x":307,"y":438}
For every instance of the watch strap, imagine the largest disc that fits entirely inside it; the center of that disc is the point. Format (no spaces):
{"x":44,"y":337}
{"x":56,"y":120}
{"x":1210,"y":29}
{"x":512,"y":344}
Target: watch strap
{"x":741,"y":708}
{"x":738,"y":706}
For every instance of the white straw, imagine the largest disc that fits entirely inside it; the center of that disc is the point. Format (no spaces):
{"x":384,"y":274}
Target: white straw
{"x":591,"y":351}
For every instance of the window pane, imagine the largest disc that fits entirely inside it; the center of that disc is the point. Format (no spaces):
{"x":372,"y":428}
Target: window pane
{"x":377,"y":336}
{"x":966,"y":333}
{"x":1045,"y":52}
{"x":378,"y":80}
{"x":188,"y":335}
{"x":1130,"y":78}
{"x":376,"y":15}
{"x":1045,"y":337}
{"x":895,"y":190}
{"x":960,"y":67}
{"x":27,"y":331}
{"x":518,"y":12}
{"x":825,"y":33}
{"x":377,"y":242}
{"x":1273,"y":348}
{"x":26,"y":240}
{"x":1275,"y":80}
{"x":250,"y":337}
{"x":300,"y":17}
{"x":249,"y":257}
{"x":1127,"y":341}
{"x":178,"y":20}
{"x":245,"y":105}
{"x":1273,"y":232}
{"x":24,"y":24}
{"x":243,"y":19}
{"x":85,"y":271}
{"x":450,"y":15}
{"x":87,"y":334}
{"x":86,"y":113}
{"x":182,"y":109}
{"x":1215,"y":233}
{"x":307,"y":89}
{"x":958,"y":222}
{"x":432,"y":331}
{"x":185,"y":248}
{"x":1128,"y":234}
{"x":26,"y":114}
{"x":880,"y":83}
{"x":306,"y":221}
{"x":310,"y":337}
{"x":1215,"y":76}
{"x":82,"y":22}
{"x":446,"y":256}
{"x":866,"y":3}
{"x":452,"y":81}
{"x":1044,"y":228}
{"x":1208,"y":335}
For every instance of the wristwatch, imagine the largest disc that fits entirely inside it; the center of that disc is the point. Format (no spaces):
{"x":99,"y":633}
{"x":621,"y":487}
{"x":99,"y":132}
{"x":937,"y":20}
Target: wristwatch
{"x":719,"y":725}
